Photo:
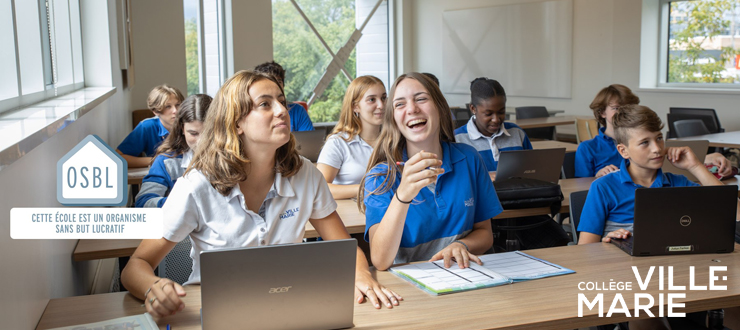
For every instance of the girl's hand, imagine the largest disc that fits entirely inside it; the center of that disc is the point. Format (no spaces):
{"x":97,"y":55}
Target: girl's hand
{"x":683,"y":158}
{"x":723,"y":165}
{"x":163,"y":298}
{"x":458,"y":252}
{"x":367,"y":286}
{"x":419,"y":171}
{"x":619,"y":233}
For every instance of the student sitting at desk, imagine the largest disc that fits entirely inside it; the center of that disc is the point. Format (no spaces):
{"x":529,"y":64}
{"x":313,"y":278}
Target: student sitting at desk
{"x":299,"y":119}
{"x":438,"y":204}
{"x":486,"y":131}
{"x":163,"y":101}
{"x":343,"y":159}
{"x":599,"y":156}
{"x":175,"y":153}
{"x":248,"y":188}
{"x":609,"y":208}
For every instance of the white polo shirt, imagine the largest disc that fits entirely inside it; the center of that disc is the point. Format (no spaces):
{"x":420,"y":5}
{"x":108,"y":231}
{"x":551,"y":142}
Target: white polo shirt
{"x":215,"y":221}
{"x":349,"y":157}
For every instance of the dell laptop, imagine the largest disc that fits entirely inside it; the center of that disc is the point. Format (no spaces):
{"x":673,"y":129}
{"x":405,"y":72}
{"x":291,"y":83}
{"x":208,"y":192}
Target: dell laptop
{"x":292,"y":286}
{"x":541,"y":164}
{"x":682,"y":220}
{"x":699,"y":147}
{"x":309,"y":143}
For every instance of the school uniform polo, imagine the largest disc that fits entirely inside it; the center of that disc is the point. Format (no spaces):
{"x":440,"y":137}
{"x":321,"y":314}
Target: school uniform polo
{"x":299,"y":119}
{"x":439,"y":215}
{"x":146,"y":137}
{"x":610,"y":204}
{"x":509,"y":137}
{"x":214,"y":221}
{"x":349,"y":157}
{"x":162,"y":176}
{"x":595,"y":154}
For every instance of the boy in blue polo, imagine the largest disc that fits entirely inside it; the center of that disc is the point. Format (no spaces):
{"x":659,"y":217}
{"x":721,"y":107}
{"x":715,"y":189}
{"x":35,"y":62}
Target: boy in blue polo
{"x":139,"y":147}
{"x":599,"y":156}
{"x":609,"y":208}
{"x":486,"y":131}
{"x":299,"y":119}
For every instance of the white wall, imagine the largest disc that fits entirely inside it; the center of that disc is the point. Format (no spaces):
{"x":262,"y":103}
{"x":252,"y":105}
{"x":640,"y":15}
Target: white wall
{"x":606,"y":50}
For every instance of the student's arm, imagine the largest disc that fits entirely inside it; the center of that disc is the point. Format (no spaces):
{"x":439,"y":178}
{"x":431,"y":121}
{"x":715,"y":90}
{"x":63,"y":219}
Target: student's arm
{"x":477,"y":242}
{"x":138,"y":277}
{"x":338,"y":191}
{"x":155,"y":185}
{"x":385,"y":237}
{"x":331,"y":228}
{"x":584,"y":162}
{"x":724,"y":168}
{"x":134,"y":162}
{"x":593,"y":217}
{"x":684,"y":158}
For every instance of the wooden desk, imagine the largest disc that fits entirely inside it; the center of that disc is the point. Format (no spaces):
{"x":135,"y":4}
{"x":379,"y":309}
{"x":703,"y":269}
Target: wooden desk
{"x":135,"y":175}
{"x":544,"y":121}
{"x":550,"y":303}
{"x":550,"y":144}
{"x":722,"y":140}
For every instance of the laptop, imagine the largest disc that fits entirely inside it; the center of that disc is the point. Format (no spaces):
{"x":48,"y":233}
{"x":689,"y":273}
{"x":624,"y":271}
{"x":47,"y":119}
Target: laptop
{"x":682,"y":220}
{"x":699,"y":147}
{"x":541,"y":164}
{"x":292,"y":286}
{"x":309,"y":143}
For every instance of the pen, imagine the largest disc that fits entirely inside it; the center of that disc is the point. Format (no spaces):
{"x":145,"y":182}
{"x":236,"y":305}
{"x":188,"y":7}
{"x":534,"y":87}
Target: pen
{"x":168,"y":327}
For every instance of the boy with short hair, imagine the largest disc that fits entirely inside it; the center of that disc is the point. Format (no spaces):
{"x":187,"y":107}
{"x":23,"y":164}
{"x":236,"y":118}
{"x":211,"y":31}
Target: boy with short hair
{"x":163,"y":101}
{"x":299,"y":119}
{"x":610,"y":204}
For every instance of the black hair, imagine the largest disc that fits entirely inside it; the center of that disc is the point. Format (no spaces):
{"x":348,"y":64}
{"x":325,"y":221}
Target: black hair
{"x":432,"y":77}
{"x":483,"y":88}
{"x":272,"y":68}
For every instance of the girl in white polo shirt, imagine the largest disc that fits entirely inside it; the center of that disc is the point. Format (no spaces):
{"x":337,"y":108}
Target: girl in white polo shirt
{"x":247,"y":186}
{"x":343,"y":159}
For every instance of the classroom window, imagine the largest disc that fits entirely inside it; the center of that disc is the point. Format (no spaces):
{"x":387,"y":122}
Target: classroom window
{"x":42,"y":57}
{"x":204,"y":42}
{"x":702,"y":43}
{"x":302,"y":32}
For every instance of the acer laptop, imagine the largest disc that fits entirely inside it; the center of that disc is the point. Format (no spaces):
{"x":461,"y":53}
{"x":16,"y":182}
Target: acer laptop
{"x":292,"y":286}
{"x":309,"y":143}
{"x":699,"y":147}
{"x":682,"y":220}
{"x":541,"y":164}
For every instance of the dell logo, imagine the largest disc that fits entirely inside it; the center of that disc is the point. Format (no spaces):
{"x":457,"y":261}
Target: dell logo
{"x":280,"y":289}
{"x":529,"y":171}
{"x":685,"y":220}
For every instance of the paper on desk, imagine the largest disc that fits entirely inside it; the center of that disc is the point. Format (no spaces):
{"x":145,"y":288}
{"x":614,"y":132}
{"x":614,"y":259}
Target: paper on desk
{"x":134,"y":322}
{"x":497,"y":269}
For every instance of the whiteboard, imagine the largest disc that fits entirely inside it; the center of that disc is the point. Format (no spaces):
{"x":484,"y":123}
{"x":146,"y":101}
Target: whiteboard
{"x":526,"y":47}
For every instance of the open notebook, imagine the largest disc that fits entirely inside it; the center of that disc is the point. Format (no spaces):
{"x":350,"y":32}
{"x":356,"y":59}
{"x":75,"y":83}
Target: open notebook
{"x":497,"y":269}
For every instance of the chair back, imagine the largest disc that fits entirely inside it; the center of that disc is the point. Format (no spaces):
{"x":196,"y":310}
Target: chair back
{"x":690,"y":127}
{"x":545,"y":133}
{"x":461,"y":116}
{"x":707,"y":119}
{"x":177,"y":265}
{"x":138,"y":115}
{"x":577,"y":200}
{"x":586,"y":129}
{"x":568,"y":170}
{"x":701,"y":112}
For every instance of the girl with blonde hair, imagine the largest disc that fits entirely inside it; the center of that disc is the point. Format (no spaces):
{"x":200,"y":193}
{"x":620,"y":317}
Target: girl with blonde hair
{"x":345,"y":154}
{"x":246,"y":186}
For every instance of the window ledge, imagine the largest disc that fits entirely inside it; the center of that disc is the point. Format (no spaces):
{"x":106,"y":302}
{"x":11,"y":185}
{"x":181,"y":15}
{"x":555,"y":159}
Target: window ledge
{"x":25,"y":128}
{"x":690,"y":90}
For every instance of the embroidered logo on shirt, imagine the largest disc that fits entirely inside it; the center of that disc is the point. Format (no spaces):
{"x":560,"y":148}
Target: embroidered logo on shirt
{"x":470,"y":202}
{"x":289,"y":213}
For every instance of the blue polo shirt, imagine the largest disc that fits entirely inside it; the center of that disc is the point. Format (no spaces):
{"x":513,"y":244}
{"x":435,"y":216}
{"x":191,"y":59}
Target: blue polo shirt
{"x":610,"y":204}
{"x":462,"y":196}
{"x":299,"y":119}
{"x":146,"y":137}
{"x":509,"y":137}
{"x":595,"y":154}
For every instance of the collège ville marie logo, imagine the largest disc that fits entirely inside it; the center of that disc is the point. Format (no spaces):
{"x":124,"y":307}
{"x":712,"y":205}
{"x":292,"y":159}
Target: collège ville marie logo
{"x":92,"y":174}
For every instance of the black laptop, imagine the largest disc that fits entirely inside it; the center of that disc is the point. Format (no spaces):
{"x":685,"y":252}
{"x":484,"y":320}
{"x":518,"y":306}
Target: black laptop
{"x":540,"y":164}
{"x":682,"y":220}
